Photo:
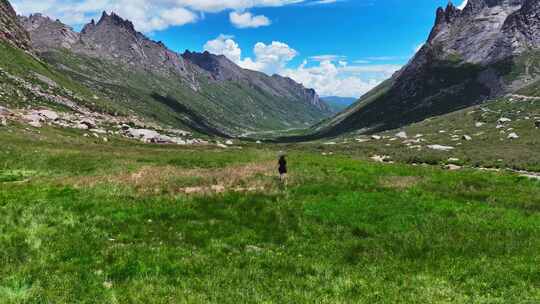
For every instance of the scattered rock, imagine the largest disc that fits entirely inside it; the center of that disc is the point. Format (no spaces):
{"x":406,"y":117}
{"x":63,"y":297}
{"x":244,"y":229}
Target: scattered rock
{"x":440,"y":147}
{"x":258,"y":142}
{"x":467,"y":137}
{"x":479,"y":124}
{"x":513,"y":136}
{"x":221,"y":145}
{"x":331,"y":143}
{"x":537,"y":124}
{"x":229,"y":142}
{"x":3,"y":122}
{"x":504,"y":120}
{"x":453,"y":160}
{"x":376,"y":137}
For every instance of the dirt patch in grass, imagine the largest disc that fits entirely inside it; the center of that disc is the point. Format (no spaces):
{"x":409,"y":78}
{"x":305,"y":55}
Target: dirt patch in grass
{"x":174,"y":180}
{"x":399,"y":182}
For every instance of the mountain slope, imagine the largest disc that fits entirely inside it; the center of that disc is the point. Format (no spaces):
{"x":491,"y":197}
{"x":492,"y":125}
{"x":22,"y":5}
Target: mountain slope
{"x":207,"y":93}
{"x":489,"y":48}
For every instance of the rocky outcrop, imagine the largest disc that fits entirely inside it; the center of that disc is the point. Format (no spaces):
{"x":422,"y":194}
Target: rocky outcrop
{"x":10,"y":30}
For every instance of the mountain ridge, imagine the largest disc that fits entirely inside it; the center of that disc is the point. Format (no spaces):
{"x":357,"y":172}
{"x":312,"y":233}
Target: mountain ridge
{"x":471,"y":55}
{"x":111,"y":55}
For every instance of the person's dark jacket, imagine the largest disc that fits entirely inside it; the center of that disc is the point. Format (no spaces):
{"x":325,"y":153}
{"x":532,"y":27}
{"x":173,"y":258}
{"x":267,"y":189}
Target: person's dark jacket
{"x":282,"y":165}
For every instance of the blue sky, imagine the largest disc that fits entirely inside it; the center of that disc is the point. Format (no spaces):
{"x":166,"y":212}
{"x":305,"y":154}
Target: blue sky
{"x":342,"y":47}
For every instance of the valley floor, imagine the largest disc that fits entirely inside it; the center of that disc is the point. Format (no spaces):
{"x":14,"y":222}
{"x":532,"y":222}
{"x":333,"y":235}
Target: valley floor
{"x":84,"y":221}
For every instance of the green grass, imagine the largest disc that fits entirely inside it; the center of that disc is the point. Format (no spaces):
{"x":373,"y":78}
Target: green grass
{"x":85,"y":225}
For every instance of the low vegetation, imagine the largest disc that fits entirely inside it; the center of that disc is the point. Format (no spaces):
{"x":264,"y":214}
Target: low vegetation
{"x":89,"y":222}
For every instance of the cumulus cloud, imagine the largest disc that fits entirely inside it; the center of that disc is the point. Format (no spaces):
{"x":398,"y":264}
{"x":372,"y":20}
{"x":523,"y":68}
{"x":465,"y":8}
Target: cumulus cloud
{"x":149,"y":16}
{"x":225,"y":45}
{"x":271,"y":58}
{"x":327,"y":74}
{"x":462,"y":5}
{"x":247,"y":20}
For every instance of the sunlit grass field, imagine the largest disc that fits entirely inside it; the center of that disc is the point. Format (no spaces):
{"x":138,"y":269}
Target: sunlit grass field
{"x":88,"y":222}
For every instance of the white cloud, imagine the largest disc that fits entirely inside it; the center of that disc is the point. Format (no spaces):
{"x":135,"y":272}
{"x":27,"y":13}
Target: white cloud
{"x":149,"y":15}
{"x":224,"y":45}
{"x":462,"y":5}
{"x":271,"y":58}
{"x":327,"y":74}
{"x":247,"y":20}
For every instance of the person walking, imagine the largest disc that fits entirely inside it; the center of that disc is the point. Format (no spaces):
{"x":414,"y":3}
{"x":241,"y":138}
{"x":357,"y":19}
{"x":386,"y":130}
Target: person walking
{"x":282,"y":168}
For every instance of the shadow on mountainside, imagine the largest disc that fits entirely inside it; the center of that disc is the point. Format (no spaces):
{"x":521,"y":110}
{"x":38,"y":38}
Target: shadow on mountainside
{"x":194,"y":120}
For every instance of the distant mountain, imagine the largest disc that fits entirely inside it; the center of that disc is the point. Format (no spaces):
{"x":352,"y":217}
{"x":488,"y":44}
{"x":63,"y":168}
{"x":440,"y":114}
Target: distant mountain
{"x":338,"y":104}
{"x":135,"y":75}
{"x":488,"y":49}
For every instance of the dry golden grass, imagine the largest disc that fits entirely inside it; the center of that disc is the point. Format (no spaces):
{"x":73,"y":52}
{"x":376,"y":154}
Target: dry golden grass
{"x":399,"y":182}
{"x":249,"y":177}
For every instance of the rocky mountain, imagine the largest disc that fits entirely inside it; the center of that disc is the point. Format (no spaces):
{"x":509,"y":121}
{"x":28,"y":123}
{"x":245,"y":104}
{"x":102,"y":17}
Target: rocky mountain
{"x":10,"y":30}
{"x":221,"y":69}
{"x":488,"y":49}
{"x":204,"y":92}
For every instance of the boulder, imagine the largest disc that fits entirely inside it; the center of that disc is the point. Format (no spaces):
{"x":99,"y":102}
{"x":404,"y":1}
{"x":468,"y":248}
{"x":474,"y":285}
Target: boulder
{"x":513,"y":136}
{"x":440,"y":147}
{"x":143,"y":134}
{"x":376,"y":137}
{"x":380,"y":158}
{"x":452,"y":167}
{"x":229,"y":142}
{"x":3,"y":122}
{"x":467,"y":137}
{"x":504,"y":120}
{"x":479,"y":124}
{"x":33,"y":120}
{"x":537,"y":124}
{"x":402,"y":135}
{"x":48,"y":114}
{"x":90,"y":123}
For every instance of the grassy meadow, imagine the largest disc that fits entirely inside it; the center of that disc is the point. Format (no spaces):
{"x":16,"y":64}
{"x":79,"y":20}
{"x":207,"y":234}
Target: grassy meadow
{"x":87,"y":222}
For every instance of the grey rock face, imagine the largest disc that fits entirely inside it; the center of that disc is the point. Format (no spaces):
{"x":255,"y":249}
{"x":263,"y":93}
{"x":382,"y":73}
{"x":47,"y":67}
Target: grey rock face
{"x":10,"y":30}
{"x":474,"y":34}
{"x":45,"y":32}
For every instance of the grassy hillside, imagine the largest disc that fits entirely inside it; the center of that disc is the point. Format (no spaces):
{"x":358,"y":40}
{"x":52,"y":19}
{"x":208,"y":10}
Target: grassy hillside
{"x":489,"y":145}
{"x":121,"y":222}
